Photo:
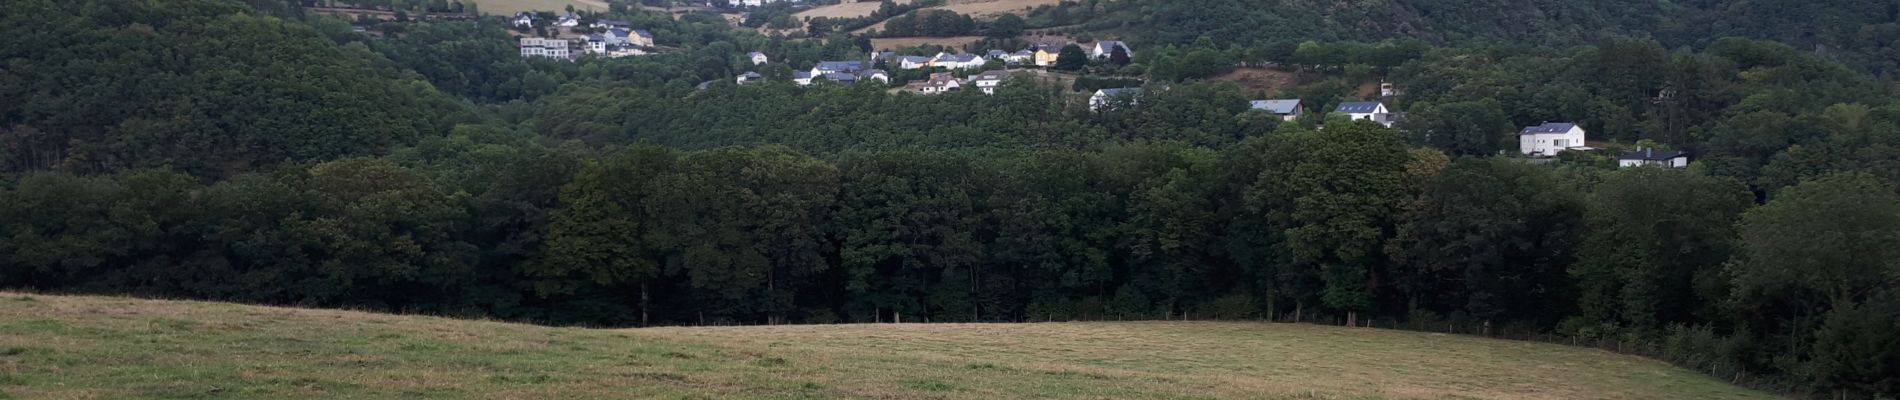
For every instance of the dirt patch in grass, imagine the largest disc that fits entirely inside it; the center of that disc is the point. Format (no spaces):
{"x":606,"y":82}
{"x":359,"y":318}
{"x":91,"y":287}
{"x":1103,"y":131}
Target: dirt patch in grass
{"x":1270,"y":81}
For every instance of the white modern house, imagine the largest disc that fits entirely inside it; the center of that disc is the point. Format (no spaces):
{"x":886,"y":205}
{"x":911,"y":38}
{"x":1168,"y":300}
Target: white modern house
{"x":1108,"y":98}
{"x":826,"y":67}
{"x":524,"y":19}
{"x":957,"y":61}
{"x":988,"y":81}
{"x":758,"y":58}
{"x":568,"y":20}
{"x":1550,"y":138}
{"x":1370,"y":111}
{"x":545,"y":48}
{"x":1286,"y":109}
{"x":913,"y":62}
{"x":1652,"y":157}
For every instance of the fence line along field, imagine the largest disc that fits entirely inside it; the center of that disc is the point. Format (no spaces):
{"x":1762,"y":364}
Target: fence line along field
{"x":80,"y":347}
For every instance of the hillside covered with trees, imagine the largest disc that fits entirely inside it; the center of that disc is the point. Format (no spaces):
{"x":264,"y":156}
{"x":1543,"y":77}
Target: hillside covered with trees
{"x":206,"y":149}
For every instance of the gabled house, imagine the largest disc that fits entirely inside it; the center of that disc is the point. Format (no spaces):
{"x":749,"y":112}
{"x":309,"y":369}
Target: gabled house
{"x":596,"y":44}
{"x":611,"y":24}
{"x":1021,"y":57}
{"x":640,"y":37}
{"x":758,"y":58}
{"x":1549,"y":138}
{"x":524,"y":19}
{"x":1370,"y":111}
{"x":1651,"y":157}
{"x":748,"y":77}
{"x":988,"y":81}
{"x":1286,"y":109}
{"x":1110,"y":98}
{"x":957,"y":61}
{"x":616,"y":36}
{"x":1046,"y":55}
{"x":995,"y":54}
{"x":801,"y":78}
{"x":913,"y":62}
{"x":874,"y":75}
{"x":568,"y":20}
{"x":826,"y":67}
{"x":939,"y":83}
{"x":1105,"y":48}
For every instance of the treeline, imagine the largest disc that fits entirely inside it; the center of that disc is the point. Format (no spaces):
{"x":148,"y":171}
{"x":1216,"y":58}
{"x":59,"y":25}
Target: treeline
{"x":1346,"y":225}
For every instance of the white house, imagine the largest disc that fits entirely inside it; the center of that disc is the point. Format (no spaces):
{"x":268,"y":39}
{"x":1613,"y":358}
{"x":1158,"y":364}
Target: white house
{"x":611,"y":24}
{"x":547,"y":48}
{"x":596,"y":44}
{"x":988,"y":81}
{"x":524,"y":19}
{"x":874,"y":75}
{"x":1549,"y":139}
{"x":826,"y":67}
{"x":1286,"y":109}
{"x":568,"y":20}
{"x":748,"y":77}
{"x":801,"y":78}
{"x":1369,"y":110}
{"x":1107,"y":98}
{"x":957,"y":61}
{"x":625,"y":51}
{"x":913,"y":62}
{"x":1021,"y":57}
{"x":1105,"y":48}
{"x":939,"y":83}
{"x":758,"y":58}
{"x":1650,"y":156}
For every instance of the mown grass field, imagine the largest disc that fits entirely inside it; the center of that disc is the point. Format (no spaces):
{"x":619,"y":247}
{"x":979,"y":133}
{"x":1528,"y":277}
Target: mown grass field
{"x":77,"y":347}
{"x":509,"y":7}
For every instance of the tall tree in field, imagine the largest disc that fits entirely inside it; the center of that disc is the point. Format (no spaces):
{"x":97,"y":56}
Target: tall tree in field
{"x":1348,"y":179}
{"x":907,"y":223}
{"x":1656,"y":244}
{"x":1072,"y":58}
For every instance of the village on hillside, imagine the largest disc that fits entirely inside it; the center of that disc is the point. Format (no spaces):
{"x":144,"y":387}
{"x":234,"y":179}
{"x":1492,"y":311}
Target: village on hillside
{"x":573,"y":34}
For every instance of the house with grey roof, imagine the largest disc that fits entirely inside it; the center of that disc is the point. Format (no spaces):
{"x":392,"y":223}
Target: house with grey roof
{"x":1370,"y":111}
{"x":758,"y":58}
{"x":913,"y":62}
{"x":988,"y":81}
{"x":1549,"y":138}
{"x":957,"y":61}
{"x":749,"y":77}
{"x":1644,"y":157}
{"x":1286,"y":109}
{"x":826,"y":67}
{"x":940,"y":82}
{"x":1113,"y":98}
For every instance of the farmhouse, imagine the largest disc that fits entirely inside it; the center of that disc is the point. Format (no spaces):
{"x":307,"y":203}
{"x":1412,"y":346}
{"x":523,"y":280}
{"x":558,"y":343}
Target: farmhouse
{"x":1110,"y":98}
{"x":957,"y":61}
{"x":1286,"y":109}
{"x":1652,"y":157}
{"x":1550,"y":138}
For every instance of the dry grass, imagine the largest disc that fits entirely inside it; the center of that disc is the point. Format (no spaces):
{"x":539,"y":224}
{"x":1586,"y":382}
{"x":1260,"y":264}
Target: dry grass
{"x":1262,"y":80}
{"x":907,"y":42}
{"x":845,"y":10}
{"x":73,"y":347}
{"x":984,"y":9}
{"x":509,"y":7}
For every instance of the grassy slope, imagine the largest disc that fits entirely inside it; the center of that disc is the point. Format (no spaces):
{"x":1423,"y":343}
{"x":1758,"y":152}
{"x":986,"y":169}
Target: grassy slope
{"x":61,"y":347}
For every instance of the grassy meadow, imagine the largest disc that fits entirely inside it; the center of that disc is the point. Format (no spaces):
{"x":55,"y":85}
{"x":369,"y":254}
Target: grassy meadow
{"x":81,"y":347}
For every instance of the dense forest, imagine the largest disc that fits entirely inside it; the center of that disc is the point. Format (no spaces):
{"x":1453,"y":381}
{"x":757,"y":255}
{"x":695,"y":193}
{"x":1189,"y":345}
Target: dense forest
{"x":210,"y":149}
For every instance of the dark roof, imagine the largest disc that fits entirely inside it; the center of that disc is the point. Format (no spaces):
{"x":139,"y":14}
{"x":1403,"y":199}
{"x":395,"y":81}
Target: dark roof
{"x":1652,"y":155}
{"x":1120,"y":91}
{"x":1548,"y":127}
{"x":993,"y":75}
{"x":839,"y":66}
{"x":1358,"y":107}
{"x":962,"y":58}
{"x":1282,"y":106}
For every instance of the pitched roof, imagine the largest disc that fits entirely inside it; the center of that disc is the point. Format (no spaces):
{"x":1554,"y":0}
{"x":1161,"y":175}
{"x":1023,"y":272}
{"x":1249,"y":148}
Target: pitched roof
{"x":754,"y":54}
{"x":914,"y":59}
{"x":992,"y":75}
{"x":1548,"y":128}
{"x":993,"y":53}
{"x":962,"y":58}
{"x":839,"y":65}
{"x":1652,"y":155}
{"x":1119,"y":91}
{"x":1280,"y":106}
{"x":1110,"y":45}
{"x":643,"y":33}
{"x":801,"y":75}
{"x":1358,"y":107}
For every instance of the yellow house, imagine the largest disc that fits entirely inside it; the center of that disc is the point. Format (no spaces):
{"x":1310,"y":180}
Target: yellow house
{"x":1046,"y":55}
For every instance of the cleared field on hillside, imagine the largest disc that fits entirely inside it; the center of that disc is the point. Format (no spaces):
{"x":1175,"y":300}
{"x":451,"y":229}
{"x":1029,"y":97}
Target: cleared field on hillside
{"x":509,"y":7}
{"x":845,"y":10}
{"x":66,"y":347}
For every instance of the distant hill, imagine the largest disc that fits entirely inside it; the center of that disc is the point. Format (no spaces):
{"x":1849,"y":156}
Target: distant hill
{"x":103,"y":347}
